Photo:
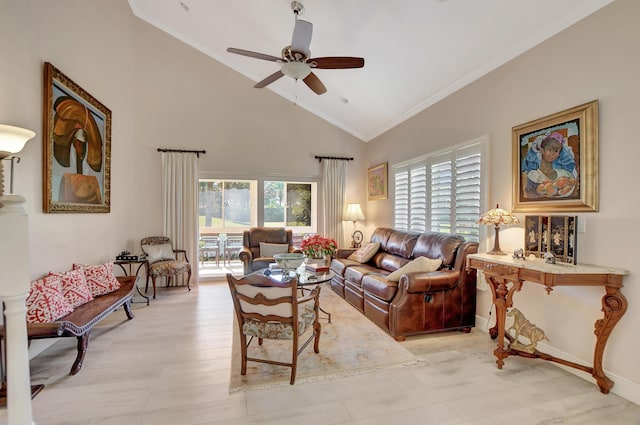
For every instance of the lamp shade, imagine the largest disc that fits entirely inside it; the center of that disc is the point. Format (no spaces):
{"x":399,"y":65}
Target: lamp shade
{"x":498,"y":216}
{"x":13,"y":139}
{"x":354,"y":213}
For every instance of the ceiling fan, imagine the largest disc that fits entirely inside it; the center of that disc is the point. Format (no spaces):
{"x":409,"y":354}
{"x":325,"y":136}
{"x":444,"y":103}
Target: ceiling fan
{"x":295,"y":61}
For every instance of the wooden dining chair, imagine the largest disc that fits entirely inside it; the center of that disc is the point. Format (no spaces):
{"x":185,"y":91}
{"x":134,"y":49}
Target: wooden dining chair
{"x":269,"y":309}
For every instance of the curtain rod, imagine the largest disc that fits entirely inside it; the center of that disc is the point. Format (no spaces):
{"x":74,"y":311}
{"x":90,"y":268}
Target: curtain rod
{"x":342,"y":158}
{"x":183,"y":151}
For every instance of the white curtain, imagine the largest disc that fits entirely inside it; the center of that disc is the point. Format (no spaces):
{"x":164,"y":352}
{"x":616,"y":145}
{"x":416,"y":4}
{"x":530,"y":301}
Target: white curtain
{"x":334,"y":180}
{"x":180,"y":202}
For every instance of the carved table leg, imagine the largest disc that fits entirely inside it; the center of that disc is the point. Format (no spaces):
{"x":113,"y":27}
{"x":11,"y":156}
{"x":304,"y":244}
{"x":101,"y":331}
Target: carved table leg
{"x":502,"y":299}
{"x":614,"y":305}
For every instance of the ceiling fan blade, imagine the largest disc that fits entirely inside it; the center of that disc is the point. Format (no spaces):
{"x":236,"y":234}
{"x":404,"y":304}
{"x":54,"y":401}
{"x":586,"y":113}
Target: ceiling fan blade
{"x":254,"y":54}
{"x":315,"y":84}
{"x":301,"y":39}
{"x":337,"y":62}
{"x":270,"y":79}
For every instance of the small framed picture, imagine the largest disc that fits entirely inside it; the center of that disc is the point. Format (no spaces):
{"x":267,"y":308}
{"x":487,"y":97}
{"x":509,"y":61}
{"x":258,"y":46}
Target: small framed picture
{"x":377,"y":182}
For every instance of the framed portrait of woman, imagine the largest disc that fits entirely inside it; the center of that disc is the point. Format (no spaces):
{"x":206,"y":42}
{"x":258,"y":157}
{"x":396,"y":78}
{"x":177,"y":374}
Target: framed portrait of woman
{"x":555,"y":162}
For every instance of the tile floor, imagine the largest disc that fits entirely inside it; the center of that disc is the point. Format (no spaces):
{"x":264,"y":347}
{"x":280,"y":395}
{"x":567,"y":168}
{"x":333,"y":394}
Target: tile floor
{"x":170,"y":365}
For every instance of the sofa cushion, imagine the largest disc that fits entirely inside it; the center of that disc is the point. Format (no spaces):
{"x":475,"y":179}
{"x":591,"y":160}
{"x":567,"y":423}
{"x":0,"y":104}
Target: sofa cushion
{"x":271,"y":249}
{"x":45,"y":303}
{"x":401,"y":243}
{"x":354,"y":274}
{"x":379,"y":286}
{"x":365,"y":253}
{"x":438,"y":245}
{"x":420,"y":264}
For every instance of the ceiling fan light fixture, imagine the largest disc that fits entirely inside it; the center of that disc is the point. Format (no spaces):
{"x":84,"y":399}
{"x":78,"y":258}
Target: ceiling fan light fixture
{"x":296,"y":70}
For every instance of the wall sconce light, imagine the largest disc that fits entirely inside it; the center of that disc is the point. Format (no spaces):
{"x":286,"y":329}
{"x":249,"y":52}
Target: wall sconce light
{"x":354,"y":213}
{"x":496,"y":217}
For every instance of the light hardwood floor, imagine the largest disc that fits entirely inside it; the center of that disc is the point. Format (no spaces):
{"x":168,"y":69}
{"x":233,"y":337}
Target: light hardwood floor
{"x":170,"y":365}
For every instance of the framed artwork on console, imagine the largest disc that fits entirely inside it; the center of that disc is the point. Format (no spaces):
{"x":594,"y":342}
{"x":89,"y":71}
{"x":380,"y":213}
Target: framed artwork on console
{"x":377,"y":182}
{"x":77,"y":148}
{"x":555,"y":162}
{"x":555,"y":233}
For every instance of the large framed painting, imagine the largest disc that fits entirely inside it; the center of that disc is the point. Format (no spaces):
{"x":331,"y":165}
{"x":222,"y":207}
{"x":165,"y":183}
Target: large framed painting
{"x":555,"y":162}
{"x":377,"y":182}
{"x":77,"y":148}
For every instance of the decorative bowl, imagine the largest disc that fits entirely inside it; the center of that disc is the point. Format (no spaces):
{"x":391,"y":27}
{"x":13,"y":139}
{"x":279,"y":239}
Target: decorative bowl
{"x":289,"y":261}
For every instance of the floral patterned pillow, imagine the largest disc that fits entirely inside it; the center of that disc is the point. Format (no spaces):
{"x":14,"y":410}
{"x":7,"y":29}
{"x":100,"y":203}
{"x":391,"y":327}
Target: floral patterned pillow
{"x":365,"y":253}
{"x":75,"y":288}
{"x":45,"y":302}
{"x":100,"y":278}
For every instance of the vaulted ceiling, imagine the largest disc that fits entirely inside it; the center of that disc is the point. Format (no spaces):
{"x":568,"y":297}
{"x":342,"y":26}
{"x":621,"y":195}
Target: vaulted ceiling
{"x":416,"y":51}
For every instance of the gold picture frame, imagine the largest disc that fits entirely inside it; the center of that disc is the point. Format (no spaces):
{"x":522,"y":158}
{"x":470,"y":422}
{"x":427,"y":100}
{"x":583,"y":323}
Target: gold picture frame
{"x":77,"y":148}
{"x":377,"y":182}
{"x":555,"y":162}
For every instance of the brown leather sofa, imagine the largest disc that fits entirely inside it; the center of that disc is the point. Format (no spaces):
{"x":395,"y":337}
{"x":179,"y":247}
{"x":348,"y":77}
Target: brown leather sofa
{"x":250,"y":252}
{"x":420,"y":302}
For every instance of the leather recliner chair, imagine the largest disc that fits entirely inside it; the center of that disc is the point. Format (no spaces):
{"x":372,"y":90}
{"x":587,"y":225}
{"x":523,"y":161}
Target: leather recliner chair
{"x":252,"y":256}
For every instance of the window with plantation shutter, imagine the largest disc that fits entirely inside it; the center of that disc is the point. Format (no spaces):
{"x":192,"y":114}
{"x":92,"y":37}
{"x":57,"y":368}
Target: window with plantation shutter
{"x":442,"y":192}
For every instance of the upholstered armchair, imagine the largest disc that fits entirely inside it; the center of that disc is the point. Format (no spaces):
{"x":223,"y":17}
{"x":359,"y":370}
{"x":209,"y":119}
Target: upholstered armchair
{"x":269,"y":309}
{"x":163,"y":261}
{"x":259,"y":244}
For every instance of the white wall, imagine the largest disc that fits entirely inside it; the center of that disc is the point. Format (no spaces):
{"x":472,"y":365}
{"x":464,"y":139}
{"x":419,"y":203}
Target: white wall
{"x":595,"y":59}
{"x":162,"y":93}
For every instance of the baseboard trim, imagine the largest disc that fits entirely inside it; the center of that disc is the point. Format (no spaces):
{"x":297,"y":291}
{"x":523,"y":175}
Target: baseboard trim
{"x":623,"y":387}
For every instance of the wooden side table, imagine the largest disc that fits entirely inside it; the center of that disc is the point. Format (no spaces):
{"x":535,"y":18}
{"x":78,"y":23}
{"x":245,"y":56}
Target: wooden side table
{"x":131,"y":263}
{"x":506,"y":276}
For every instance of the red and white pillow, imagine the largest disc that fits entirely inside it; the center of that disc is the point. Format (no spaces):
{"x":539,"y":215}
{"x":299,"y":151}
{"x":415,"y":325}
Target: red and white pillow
{"x":100,"y":278}
{"x":45,"y":302}
{"x":74,"y":287}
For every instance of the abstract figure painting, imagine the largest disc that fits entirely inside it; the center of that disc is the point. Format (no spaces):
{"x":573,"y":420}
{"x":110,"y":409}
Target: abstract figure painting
{"x":77,"y":147}
{"x":555,"y":162}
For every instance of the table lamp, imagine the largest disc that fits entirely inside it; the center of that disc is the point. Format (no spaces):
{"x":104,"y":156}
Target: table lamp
{"x":496,"y":217}
{"x":354,"y":213}
{"x":14,"y":284}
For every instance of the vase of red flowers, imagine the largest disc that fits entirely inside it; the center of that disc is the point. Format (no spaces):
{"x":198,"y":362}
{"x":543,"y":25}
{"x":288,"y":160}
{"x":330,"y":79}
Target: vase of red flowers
{"x":318,"y":247}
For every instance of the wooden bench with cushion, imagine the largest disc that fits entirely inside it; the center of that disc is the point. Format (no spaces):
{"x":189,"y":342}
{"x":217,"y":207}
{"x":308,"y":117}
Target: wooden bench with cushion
{"x":81,"y":320}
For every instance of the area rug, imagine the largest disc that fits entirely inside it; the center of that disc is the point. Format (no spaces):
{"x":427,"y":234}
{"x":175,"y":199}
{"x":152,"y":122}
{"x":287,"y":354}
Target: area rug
{"x":351,"y":344}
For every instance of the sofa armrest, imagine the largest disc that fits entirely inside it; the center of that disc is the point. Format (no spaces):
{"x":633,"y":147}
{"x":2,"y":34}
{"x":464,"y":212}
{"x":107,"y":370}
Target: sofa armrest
{"x":442,"y":280}
{"x":344,"y":252}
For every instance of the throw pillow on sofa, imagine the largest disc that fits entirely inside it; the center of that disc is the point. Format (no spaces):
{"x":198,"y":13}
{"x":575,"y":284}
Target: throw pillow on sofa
{"x":365,"y":252}
{"x":271,"y":249}
{"x":45,"y":302}
{"x":100,"y":278}
{"x":75,"y":288}
{"x":420,"y":264}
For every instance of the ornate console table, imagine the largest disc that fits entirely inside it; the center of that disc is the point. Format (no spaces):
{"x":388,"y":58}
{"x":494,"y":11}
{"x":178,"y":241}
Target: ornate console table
{"x":506,"y":276}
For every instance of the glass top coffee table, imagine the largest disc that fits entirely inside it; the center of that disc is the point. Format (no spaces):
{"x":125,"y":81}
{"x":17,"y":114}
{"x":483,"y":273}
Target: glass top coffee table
{"x":305,"y":278}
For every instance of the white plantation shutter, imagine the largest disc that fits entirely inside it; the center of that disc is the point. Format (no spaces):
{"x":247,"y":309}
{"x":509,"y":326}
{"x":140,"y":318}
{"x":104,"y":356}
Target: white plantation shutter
{"x":401,"y":199}
{"x":468,"y":196}
{"x":442,"y":192}
{"x":410,"y":208}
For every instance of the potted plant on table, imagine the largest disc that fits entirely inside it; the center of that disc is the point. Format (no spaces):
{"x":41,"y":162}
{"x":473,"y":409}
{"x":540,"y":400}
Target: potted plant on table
{"x":318,"y":247}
